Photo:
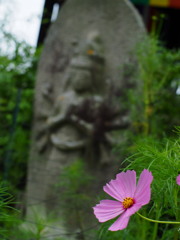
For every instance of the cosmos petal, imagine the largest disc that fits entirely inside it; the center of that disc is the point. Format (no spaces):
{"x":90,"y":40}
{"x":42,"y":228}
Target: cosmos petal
{"x":112,"y":188}
{"x":123,"y":220}
{"x":123,"y":186}
{"x":120,"y":223}
{"x":108,"y":209}
{"x":130,"y":211}
{"x":178,"y":179}
{"x":143,"y":191}
{"x":127,"y":183}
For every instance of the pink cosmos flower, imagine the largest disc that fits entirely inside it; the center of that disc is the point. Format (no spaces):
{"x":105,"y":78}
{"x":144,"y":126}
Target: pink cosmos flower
{"x":178,"y":179}
{"x":130,"y":198}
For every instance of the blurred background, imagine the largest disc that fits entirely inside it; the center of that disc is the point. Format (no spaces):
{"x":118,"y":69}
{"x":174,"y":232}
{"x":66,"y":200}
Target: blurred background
{"x":24,"y":26}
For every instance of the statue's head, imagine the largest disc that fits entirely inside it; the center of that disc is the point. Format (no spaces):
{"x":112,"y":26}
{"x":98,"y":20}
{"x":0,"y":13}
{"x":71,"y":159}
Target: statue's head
{"x":87,"y":65}
{"x":93,"y":47}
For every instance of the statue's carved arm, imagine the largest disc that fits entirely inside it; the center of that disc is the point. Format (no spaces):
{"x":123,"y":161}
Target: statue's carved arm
{"x":117,"y":124}
{"x":55,"y":121}
{"x":83,"y":126}
{"x":67,"y":145}
{"x":50,"y":123}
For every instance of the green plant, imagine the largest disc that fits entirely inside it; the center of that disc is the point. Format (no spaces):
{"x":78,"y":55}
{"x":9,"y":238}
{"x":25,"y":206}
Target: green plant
{"x":76,"y":198}
{"x":16,"y":100}
{"x":154,"y":105}
{"x":8,"y":213}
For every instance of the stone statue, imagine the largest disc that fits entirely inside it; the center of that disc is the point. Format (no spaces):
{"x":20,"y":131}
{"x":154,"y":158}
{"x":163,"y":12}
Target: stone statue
{"x":82,"y":117}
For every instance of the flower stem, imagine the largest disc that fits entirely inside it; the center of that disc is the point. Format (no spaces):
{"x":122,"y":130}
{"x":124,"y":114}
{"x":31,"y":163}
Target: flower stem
{"x":157,"y":221}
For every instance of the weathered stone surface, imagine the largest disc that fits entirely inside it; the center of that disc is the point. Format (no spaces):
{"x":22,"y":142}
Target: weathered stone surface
{"x":80,"y":61}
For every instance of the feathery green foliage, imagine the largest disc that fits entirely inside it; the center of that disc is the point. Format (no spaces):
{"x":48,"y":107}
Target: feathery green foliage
{"x":154,"y":105}
{"x":163,"y":160}
{"x":7,"y":212}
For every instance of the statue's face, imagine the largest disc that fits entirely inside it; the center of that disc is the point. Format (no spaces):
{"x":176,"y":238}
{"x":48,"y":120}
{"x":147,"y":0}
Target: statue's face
{"x":82,"y":80}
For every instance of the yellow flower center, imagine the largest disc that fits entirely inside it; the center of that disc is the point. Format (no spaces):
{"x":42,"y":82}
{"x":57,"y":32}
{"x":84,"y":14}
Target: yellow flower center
{"x":128,"y":202}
